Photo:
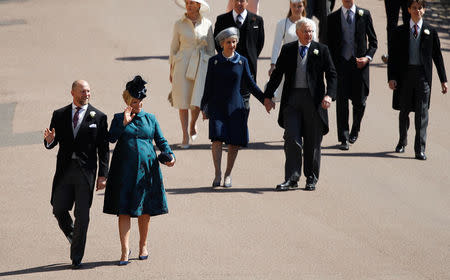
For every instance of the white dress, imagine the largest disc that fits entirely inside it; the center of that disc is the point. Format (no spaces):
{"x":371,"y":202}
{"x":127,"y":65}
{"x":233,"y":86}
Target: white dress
{"x":284,"y":33}
{"x":190,"y":50}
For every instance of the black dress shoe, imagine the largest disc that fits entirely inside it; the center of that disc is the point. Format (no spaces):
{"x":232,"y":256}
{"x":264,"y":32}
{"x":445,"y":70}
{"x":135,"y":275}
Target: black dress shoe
{"x":76,"y":265}
{"x":400,"y":148}
{"x":353,"y":138}
{"x":421,"y":156}
{"x":344,"y":146}
{"x":311,"y":186}
{"x":288,"y":185}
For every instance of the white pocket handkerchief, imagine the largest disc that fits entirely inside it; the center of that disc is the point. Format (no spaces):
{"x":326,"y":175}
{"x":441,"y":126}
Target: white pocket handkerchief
{"x":93,"y":125}
{"x":255,"y":26}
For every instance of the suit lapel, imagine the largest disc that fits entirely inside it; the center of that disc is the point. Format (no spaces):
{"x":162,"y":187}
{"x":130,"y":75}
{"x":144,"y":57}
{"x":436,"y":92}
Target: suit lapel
{"x":68,"y":121}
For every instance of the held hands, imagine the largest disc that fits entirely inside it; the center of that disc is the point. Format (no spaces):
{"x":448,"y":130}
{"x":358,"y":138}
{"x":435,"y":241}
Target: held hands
{"x":101,"y":183}
{"x":326,"y":102}
{"x":272,"y":67}
{"x":444,"y":88}
{"x":393,"y":84}
{"x":204,"y":116}
{"x":127,"y":116}
{"x":361,"y":62}
{"x":269,"y":104}
{"x":49,"y":136}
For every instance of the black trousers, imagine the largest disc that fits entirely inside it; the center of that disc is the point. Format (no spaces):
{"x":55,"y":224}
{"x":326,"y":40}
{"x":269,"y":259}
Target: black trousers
{"x":73,"y":189}
{"x":415,"y":93}
{"x":392,"y":8}
{"x":320,"y":9}
{"x":303,"y":131}
{"x":350,"y":86}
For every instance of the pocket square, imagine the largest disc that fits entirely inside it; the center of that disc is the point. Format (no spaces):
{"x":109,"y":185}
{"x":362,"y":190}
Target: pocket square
{"x":255,"y":26}
{"x":93,"y":125}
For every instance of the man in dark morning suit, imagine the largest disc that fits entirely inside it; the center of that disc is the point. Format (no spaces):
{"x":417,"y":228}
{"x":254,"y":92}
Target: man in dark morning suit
{"x":304,"y":103}
{"x":415,"y":46}
{"x":352,"y":42}
{"x":392,"y":8}
{"x":80,"y":130}
{"x":320,"y":9}
{"x":251,"y":36}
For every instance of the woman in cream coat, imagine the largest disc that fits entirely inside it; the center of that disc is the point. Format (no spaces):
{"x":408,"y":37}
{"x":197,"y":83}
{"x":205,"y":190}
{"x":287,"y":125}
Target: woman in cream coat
{"x":192,"y":46}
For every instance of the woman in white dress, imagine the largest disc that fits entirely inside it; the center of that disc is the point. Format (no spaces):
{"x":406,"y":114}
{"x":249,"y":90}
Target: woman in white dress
{"x":192,"y":46}
{"x":285,"y":33}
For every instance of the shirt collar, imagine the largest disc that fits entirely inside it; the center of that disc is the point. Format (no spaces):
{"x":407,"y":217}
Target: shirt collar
{"x":243,"y":15}
{"x":344,"y":10}
{"x":83,"y":108}
{"x":419,"y":24}
{"x":300,"y":44}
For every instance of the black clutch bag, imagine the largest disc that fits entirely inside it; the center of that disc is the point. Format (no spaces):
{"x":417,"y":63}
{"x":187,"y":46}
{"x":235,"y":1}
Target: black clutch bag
{"x":164,"y":157}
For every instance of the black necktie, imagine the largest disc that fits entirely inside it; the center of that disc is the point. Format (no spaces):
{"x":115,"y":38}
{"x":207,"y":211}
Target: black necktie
{"x":75,"y":117}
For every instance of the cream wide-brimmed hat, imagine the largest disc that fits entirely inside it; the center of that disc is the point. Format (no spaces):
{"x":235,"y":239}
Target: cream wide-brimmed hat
{"x":204,"y":8}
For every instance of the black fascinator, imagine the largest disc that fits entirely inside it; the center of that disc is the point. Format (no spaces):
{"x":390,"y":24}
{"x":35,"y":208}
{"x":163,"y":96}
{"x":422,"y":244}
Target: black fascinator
{"x":136,"y":87}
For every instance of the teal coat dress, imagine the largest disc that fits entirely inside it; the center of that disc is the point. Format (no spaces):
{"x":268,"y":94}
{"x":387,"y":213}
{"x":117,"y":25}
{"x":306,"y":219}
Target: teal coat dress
{"x":135,"y":183}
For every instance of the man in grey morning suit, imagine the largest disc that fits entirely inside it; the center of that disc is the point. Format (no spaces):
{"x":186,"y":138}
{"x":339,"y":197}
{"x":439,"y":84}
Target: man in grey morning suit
{"x":80,"y":130}
{"x":304,"y":103}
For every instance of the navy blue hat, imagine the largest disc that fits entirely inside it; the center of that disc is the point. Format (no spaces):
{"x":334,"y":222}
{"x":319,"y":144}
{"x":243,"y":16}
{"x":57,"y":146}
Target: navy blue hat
{"x":136,"y":87}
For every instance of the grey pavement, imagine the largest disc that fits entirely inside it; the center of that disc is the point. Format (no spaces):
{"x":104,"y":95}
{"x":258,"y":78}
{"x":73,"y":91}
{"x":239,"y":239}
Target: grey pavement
{"x":375,"y":215}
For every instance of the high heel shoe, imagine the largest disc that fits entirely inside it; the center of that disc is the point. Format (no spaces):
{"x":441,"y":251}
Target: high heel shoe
{"x":227,"y":182}
{"x":216,"y":181}
{"x":143,"y":258}
{"x":121,"y":263}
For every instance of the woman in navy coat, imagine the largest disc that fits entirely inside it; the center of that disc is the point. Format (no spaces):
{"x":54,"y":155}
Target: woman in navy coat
{"x":223,"y":104}
{"x":135,"y":184}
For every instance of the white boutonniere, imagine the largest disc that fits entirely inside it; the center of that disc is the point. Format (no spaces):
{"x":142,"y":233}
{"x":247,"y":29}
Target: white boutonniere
{"x":426,"y":31}
{"x":360,"y":12}
{"x":92,"y":114}
{"x":316,"y":51}
{"x":240,"y":62}
{"x":215,"y":62}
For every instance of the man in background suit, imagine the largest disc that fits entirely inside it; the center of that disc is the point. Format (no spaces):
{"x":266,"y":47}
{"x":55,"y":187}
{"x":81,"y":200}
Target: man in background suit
{"x":251,"y":37}
{"x":392,"y":8}
{"x":320,"y":9}
{"x":352,"y":42}
{"x":81,"y":132}
{"x":304,"y":103}
{"x":415,"y":46}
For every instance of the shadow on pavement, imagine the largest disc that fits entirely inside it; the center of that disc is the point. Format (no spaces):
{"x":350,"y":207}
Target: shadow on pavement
{"x":218,"y":190}
{"x":56,"y":267}
{"x":277,"y":145}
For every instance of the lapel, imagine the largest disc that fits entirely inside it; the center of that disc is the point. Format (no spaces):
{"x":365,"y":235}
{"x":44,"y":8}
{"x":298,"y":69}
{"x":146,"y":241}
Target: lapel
{"x":358,"y":21}
{"x":230,"y":19}
{"x":339,"y":25}
{"x":424,"y":37}
{"x":67,"y":122}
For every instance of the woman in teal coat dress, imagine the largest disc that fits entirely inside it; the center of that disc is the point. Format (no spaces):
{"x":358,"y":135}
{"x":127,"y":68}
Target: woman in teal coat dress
{"x":135,"y":184}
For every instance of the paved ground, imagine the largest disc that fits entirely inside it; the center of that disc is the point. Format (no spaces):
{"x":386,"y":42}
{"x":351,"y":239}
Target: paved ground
{"x":375,"y":215}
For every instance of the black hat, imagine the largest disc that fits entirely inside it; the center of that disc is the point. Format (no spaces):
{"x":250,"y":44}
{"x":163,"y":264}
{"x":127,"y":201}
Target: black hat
{"x":136,"y":87}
